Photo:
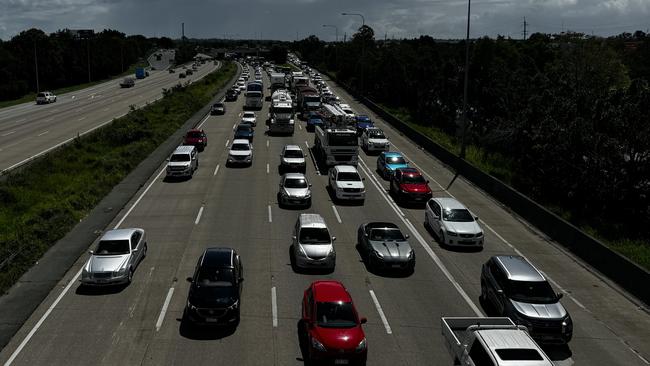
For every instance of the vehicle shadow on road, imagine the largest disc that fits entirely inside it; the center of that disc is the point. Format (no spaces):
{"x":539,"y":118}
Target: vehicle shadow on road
{"x":85,"y":290}
{"x":189,"y":331}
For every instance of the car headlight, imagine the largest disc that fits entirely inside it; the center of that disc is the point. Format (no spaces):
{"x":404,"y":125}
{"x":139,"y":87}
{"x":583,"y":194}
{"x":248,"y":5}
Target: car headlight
{"x":308,"y":195}
{"x":317,"y":345}
{"x":362,"y":345}
{"x":412,"y":254}
{"x":301,"y":252}
{"x":379,"y":254}
{"x":331,"y":252}
{"x":190,"y":306}
{"x":451,"y":233}
{"x":567,"y":325}
{"x":479,"y":234}
{"x":119,"y":273}
{"x":234,"y":306}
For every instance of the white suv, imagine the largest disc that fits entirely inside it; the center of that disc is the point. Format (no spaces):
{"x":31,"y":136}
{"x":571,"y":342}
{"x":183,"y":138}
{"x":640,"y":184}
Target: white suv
{"x":45,"y":97}
{"x":241,"y":152}
{"x":183,"y":162}
{"x":346,"y":183}
{"x":373,"y":139}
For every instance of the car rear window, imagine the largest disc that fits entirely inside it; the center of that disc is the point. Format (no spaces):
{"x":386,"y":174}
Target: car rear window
{"x":519,"y":354}
{"x":41,"y":95}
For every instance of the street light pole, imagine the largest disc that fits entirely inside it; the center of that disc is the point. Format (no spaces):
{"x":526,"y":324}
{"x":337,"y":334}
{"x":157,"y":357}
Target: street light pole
{"x":363,"y":20}
{"x":463,"y":141}
{"x":363,"y":24}
{"x":38,"y":89}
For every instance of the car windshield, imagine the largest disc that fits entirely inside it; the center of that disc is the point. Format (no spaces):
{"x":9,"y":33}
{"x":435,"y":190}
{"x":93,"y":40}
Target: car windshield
{"x":195,"y":134}
{"x":240,"y":147}
{"x":537,"y":292}
{"x":376,"y":134}
{"x":215,"y":277}
{"x":335,"y":315}
{"x":112,"y":247}
{"x":41,"y":95}
{"x":457,"y":215}
{"x":395,"y":160}
{"x":310,"y":235}
{"x":249,"y":115}
{"x":348,"y":177}
{"x":180,"y":157}
{"x":386,"y":234}
{"x":413,"y":179}
{"x":295,"y":183}
{"x":293,"y":154}
{"x":244,"y":128}
{"x":218,"y":105}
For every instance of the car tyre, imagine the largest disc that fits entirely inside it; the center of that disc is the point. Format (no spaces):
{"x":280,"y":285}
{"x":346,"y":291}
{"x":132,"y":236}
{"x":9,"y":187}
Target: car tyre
{"x":129,"y":279}
{"x":441,"y":237}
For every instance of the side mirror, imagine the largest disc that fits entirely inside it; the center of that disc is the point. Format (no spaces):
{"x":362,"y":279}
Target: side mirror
{"x":189,"y":279}
{"x":476,"y":218}
{"x":167,"y":159}
{"x":241,"y":279}
{"x":363,"y":178}
{"x":280,"y":184}
{"x":135,"y":250}
{"x":406,"y":236}
{"x":427,"y":182}
{"x":294,"y":237}
{"x":363,"y":320}
{"x":310,"y":184}
{"x":333,"y":238}
{"x":560,"y":295}
{"x":91,"y":252}
{"x":500,"y":291}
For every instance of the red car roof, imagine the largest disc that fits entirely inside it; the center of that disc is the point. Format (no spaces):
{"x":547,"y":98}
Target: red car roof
{"x":330,"y":291}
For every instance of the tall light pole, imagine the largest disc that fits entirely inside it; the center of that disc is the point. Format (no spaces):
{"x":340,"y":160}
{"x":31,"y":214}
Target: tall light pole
{"x":363,"y":24}
{"x":335,"y":27}
{"x":36,"y":66}
{"x":463,"y":141}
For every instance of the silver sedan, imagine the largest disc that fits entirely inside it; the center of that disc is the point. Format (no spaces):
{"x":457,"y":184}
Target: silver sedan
{"x":115,"y":258}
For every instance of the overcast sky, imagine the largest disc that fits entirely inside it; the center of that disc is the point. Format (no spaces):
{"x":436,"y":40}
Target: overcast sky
{"x":286,"y":19}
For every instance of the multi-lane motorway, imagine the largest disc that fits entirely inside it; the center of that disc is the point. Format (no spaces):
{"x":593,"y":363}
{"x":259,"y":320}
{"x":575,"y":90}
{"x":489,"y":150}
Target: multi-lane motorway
{"x":236,"y":207}
{"x":28,"y":130}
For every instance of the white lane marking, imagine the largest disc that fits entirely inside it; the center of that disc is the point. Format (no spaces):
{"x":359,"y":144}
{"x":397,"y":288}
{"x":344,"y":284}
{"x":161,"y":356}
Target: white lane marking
{"x":203,"y":121}
{"x":74,"y":96}
{"x":49,"y":119}
{"x":377,"y":183}
{"x":81,"y":119}
{"x":299,"y":126}
{"x":336,"y":213}
{"x":381,"y":312}
{"x":267,"y":144}
{"x":140,"y":198}
{"x":216,"y":170}
{"x":424,"y":245}
{"x":43,"y":133}
{"x":42,"y":319}
{"x":227,"y":141}
{"x":267,"y":168}
{"x":198,"y":216}
{"x":20,"y":120}
{"x":163,"y":311}
{"x":313,"y":159}
{"x":8,"y":133}
{"x":105,"y":109}
{"x":274,"y":306}
{"x":270,"y":214}
{"x":234,"y":126}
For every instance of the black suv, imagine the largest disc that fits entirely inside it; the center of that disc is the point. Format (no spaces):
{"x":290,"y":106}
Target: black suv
{"x":231,"y":95}
{"x":215,"y":290}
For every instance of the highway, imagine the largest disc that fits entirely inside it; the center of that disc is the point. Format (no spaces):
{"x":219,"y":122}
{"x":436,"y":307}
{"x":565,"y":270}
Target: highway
{"x":28,"y":130}
{"x":236,"y":207}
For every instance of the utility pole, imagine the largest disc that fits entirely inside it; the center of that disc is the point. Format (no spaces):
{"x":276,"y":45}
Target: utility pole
{"x":463,"y":141}
{"x":525,"y":28}
{"x":88,"y":53}
{"x":38,"y":89}
{"x":183,"y":32}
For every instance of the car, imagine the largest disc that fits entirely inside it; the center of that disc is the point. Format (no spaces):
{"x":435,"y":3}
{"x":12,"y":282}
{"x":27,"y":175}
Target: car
{"x":183,"y":162}
{"x":363,"y":122}
{"x":347,"y":109}
{"x":231,"y":95}
{"x":249,"y":118}
{"x":385,"y":247}
{"x":241,"y":85}
{"x":196,"y":137}
{"x":312,"y":246}
{"x":346,"y":183}
{"x":189,"y":72}
{"x":241,"y":79}
{"x":218,"y":108}
{"x":292,"y":158}
{"x":214,"y":297}
{"x":241,"y":152}
{"x":330,"y":325}
{"x":314,"y":120}
{"x":115,"y":258}
{"x":244,"y":131}
{"x":514,"y":288}
{"x":127,"y":82}
{"x":373,"y":140}
{"x":171,"y":71}
{"x":45,"y":98}
{"x":388,"y":161}
{"x":181,"y":75}
{"x":408,"y":185}
{"x":453,"y":223}
{"x":295,"y":190}
{"x":236,"y":89}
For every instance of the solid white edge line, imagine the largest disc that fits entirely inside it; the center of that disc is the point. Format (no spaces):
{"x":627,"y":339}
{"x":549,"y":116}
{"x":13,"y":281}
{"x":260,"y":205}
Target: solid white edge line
{"x":336,"y":213}
{"x":227,"y":141}
{"x":270,"y":214}
{"x":313,"y":159}
{"x":203,"y":121}
{"x":198,"y":216}
{"x":42,"y":319}
{"x":381,"y":312}
{"x":139,"y":198}
{"x":274,"y":306}
{"x":163,"y":311}
{"x":216,"y":170}
{"x":43,"y":133}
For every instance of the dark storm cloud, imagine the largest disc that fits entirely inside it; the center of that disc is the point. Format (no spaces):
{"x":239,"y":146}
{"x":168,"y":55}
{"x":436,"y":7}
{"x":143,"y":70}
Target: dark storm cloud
{"x":283,"y":19}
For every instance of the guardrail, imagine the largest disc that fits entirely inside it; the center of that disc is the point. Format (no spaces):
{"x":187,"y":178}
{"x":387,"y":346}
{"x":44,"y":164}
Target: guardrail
{"x":627,"y":274}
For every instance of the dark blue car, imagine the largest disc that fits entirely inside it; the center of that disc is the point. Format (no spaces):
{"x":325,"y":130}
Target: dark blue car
{"x":363,"y":122}
{"x":244,"y":131}
{"x":314,"y":120}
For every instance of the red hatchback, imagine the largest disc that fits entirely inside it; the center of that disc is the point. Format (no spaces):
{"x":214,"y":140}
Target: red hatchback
{"x":332,"y":326}
{"x":408,"y":185}
{"x":196,"y":138}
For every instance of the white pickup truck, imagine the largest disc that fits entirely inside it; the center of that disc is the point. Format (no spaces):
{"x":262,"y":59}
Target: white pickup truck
{"x":491,"y":342}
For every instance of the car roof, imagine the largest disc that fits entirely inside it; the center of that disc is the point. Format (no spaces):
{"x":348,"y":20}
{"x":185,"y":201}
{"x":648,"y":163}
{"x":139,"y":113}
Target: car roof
{"x":345,"y":169}
{"x":517,"y":268}
{"x":409,"y":171}
{"x":119,"y":234}
{"x":330,"y":291}
{"x":240,"y":141}
{"x":390,"y":154}
{"x":374,"y":129}
{"x":510,"y":338}
{"x":294,"y":176}
{"x":218,"y":257}
{"x":312,"y":220}
{"x":449,"y":203}
{"x":292,"y":147}
{"x":381,"y":225}
{"x":184,"y":149}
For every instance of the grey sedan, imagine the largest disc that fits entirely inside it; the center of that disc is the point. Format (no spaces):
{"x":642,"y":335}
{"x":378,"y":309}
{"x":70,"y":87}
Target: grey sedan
{"x":115,"y":258}
{"x":385,"y":247}
{"x":295,"y":190}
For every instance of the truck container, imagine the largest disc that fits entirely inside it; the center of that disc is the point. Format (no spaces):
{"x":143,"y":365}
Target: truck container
{"x":140,"y":73}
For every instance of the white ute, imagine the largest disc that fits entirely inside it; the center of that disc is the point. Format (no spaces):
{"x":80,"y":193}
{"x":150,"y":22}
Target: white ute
{"x":346,"y":183}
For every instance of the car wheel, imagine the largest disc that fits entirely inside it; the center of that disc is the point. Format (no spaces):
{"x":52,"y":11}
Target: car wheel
{"x":482,"y":296}
{"x":130,"y":276}
{"x":144,"y":251}
{"x":441,"y":236}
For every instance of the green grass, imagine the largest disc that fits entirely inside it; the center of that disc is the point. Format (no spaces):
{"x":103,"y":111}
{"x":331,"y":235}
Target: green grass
{"x":31,"y":97}
{"x":42,"y":202}
{"x":292,"y":66}
{"x":502,"y":168}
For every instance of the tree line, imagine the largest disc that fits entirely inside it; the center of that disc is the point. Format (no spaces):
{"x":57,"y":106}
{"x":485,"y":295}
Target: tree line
{"x":569,"y":112}
{"x":63,"y":58}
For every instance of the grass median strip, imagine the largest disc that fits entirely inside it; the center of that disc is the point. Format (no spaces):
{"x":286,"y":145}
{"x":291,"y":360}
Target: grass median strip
{"x":43,"y":201}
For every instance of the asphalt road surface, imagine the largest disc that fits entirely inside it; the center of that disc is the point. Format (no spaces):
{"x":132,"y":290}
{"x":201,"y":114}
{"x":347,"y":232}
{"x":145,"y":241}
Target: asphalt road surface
{"x":28,"y":130}
{"x":219,"y":206}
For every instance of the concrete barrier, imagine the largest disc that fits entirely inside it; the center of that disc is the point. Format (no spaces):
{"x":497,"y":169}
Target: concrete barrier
{"x":627,"y":274}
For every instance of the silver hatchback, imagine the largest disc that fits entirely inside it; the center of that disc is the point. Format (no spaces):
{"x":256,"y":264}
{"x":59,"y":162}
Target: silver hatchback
{"x":312,"y":247}
{"x":295,"y":190}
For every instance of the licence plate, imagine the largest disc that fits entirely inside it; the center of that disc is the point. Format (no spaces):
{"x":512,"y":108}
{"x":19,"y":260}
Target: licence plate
{"x":341,"y":362}
{"x":395,"y":266}
{"x":210,"y":320}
